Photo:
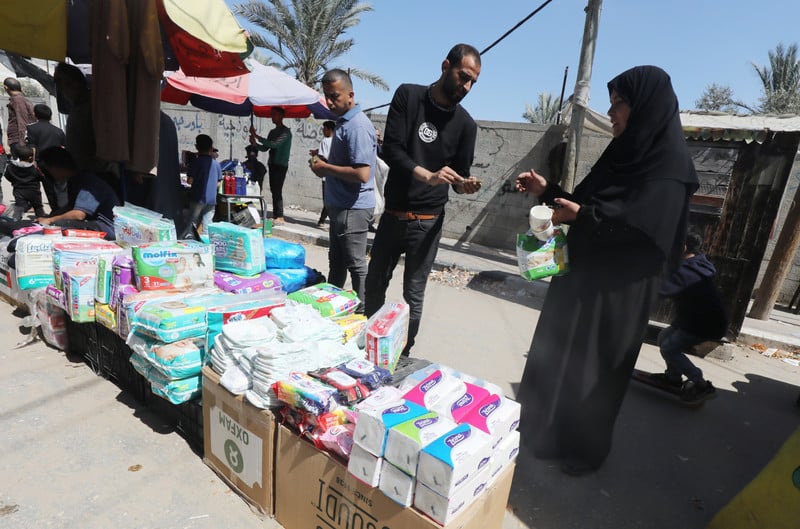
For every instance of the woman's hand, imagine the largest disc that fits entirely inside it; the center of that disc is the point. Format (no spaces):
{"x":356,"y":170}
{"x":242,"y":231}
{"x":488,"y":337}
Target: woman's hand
{"x":531,"y":182}
{"x":567,"y":212}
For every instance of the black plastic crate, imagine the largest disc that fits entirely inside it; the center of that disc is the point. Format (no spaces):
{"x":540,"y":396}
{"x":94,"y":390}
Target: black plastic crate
{"x":190,"y":423}
{"x":82,"y":340}
{"x":166,"y":411}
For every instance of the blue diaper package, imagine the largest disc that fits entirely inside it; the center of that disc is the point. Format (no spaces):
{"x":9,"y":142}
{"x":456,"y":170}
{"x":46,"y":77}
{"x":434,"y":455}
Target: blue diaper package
{"x":171,"y":320}
{"x":237,"y":249}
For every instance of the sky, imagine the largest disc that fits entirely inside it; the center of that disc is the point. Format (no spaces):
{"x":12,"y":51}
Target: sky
{"x":698,"y":42}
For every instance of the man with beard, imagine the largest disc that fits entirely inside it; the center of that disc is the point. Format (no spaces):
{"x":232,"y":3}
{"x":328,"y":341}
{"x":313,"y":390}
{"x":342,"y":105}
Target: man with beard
{"x":429,"y":144}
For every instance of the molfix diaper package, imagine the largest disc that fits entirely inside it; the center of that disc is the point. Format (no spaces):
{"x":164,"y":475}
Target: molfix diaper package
{"x":237,"y":249}
{"x":177,"y":264}
{"x":538,"y":259}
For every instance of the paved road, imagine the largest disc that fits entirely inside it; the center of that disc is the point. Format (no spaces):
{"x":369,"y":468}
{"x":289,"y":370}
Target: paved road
{"x":71,"y":440}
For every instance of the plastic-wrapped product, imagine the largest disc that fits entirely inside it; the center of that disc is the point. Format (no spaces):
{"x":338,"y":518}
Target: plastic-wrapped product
{"x":121,"y":274}
{"x":53,"y":320}
{"x":237,"y":284}
{"x":538,"y":259}
{"x":293,"y":279}
{"x":338,"y":439}
{"x":237,"y":249}
{"x":78,"y":284}
{"x":329,"y":300}
{"x":239,"y":308}
{"x":34,"y":261}
{"x":175,"y":391}
{"x":367,"y":373}
{"x":304,"y":392}
{"x":175,"y":360}
{"x":80,"y":253}
{"x":386,"y":335}
{"x":178,"y":264}
{"x":352,"y":325}
{"x":104,"y":288}
{"x":350,"y":389}
{"x":134,"y":225}
{"x":56,"y":296}
{"x":142,"y":366}
{"x":105,"y":316}
{"x":283,"y":254}
{"x":171,"y":320}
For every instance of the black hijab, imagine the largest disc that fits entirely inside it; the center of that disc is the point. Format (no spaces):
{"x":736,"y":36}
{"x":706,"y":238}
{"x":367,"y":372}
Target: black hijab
{"x":652,"y":147}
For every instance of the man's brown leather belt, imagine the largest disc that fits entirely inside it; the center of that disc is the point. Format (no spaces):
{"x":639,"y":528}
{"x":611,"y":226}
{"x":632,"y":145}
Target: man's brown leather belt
{"x":410,"y":215}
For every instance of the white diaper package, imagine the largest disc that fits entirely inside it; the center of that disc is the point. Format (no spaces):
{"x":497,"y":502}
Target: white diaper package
{"x":504,"y":454}
{"x":376,"y":419}
{"x":442,"y":509}
{"x":34,"y":261}
{"x":364,"y":466}
{"x":135,"y":225}
{"x":397,"y":485}
{"x":497,"y":416}
{"x":176,"y":264}
{"x":453,"y":459}
{"x":437,"y":387}
{"x":405,"y":440}
{"x":237,"y":249}
{"x":72,"y":253}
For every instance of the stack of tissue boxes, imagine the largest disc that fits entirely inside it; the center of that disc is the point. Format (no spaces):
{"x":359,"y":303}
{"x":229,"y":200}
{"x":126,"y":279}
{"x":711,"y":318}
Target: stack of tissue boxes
{"x":438,"y":445}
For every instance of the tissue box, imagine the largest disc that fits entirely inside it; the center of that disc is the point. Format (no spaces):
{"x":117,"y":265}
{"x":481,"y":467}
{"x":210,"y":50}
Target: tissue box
{"x":504,"y":454}
{"x":443,"y":509}
{"x":397,"y":485}
{"x":435,"y":388}
{"x":404,"y":441}
{"x":453,"y":459}
{"x":375,"y":421}
{"x":364,"y":466}
{"x":457,"y":406}
{"x":497,"y":416}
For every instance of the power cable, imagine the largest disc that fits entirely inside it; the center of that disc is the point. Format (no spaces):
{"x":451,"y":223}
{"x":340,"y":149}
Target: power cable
{"x":493,"y":44}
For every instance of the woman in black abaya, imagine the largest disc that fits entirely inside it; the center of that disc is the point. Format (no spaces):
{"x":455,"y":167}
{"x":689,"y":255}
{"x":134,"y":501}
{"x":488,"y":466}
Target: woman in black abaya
{"x":627,"y":222}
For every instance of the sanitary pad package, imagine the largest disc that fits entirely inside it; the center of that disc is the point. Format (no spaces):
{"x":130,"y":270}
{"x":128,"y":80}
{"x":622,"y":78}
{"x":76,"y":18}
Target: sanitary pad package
{"x":237,"y":249}
{"x":179,"y":264}
{"x":386,"y":335}
{"x":238,"y":284}
{"x":78,"y":286}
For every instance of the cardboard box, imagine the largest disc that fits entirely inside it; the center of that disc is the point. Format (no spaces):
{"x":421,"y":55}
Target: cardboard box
{"x":312,"y":489}
{"x":239,"y":442}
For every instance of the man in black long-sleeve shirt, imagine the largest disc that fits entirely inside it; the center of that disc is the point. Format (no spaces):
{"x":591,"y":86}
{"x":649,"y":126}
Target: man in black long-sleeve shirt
{"x":429,"y":144}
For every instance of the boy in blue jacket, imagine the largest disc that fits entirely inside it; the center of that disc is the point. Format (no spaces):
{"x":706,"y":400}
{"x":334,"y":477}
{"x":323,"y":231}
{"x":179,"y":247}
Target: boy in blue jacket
{"x":699,"y":316}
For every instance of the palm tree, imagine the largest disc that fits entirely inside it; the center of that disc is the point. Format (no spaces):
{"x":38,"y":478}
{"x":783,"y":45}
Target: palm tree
{"x":307,"y":35}
{"x":781,"y":80}
{"x":546,"y":109}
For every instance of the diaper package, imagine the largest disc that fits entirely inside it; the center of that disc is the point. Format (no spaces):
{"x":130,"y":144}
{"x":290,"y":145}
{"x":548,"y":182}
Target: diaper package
{"x":451,"y":460}
{"x":178,"y":264}
{"x":239,"y":284}
{"x":283,"y":254}
{"x":81,"y":252}
{"x":171,"y":320}
{"x":34,"y":261}
{"x":237,"y":249}
{"x":176,"y":360}
{"x":405,"y":440}
{"x":131,"y":302}
{"x":135,"y":226}
{"x":386,"y":335}
{"x":538,"y":259}
{"x":175,"y":391}
{"x":224,"y":309}
{"x":329,"y":300}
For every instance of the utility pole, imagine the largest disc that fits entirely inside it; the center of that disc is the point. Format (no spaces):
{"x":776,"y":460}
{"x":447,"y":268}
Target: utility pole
{"x":580,"y":97}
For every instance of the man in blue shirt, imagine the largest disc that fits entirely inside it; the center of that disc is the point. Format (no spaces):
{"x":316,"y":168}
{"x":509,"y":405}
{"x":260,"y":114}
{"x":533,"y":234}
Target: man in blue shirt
{"x":349,"y":182}
{"x":203,"y":175}
{"x":92,"y":200}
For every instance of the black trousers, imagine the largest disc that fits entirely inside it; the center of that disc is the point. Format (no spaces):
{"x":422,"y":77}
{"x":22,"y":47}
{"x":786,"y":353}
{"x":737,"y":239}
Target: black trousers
{"x":277,"y":176}
{"x":25,"y":199}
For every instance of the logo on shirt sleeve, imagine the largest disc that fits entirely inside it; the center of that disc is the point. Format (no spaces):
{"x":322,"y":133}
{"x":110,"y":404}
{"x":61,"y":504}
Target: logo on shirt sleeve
{"x":427,"y":132}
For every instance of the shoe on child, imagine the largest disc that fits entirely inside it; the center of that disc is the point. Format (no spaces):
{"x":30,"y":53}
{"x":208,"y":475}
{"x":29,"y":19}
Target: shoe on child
{"x":697,"y":391}
{"x":665,"y":380}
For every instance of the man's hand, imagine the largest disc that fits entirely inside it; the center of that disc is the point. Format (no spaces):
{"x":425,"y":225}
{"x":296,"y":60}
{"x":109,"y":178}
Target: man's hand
{"x":317,"y":166}
{"x":44,"y":221}
{"x":445,"y":175}
{"x":468,"y":186}
{"x":531,"y":182}
{"x":567,"y":212}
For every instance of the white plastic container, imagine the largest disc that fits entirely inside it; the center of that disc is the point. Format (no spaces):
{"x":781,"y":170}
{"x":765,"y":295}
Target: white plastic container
{"x":540,"y":219}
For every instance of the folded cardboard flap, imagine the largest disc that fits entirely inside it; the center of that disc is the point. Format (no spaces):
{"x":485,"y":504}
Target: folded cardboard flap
{"x":314,"y":490}
{"x":239,"y":443}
